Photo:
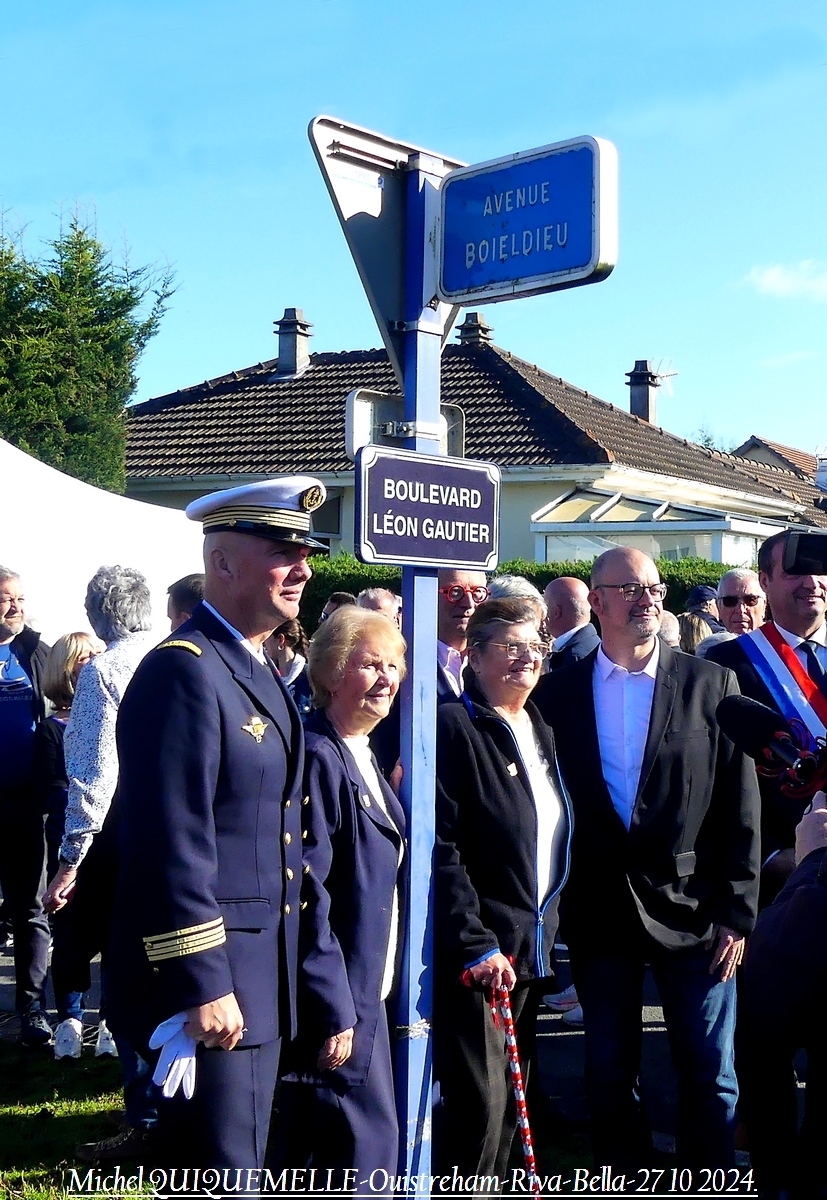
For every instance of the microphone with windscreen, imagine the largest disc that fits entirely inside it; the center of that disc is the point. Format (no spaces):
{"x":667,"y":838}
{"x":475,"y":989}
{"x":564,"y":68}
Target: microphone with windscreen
{"x":765,"y":736}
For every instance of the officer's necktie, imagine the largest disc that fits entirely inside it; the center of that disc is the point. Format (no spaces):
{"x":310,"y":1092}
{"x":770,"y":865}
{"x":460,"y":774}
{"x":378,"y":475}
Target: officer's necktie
{"x":814,"y":667}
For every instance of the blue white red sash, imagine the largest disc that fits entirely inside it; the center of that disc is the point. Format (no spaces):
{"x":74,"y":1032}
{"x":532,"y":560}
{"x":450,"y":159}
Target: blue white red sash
{"x":795,"y":694}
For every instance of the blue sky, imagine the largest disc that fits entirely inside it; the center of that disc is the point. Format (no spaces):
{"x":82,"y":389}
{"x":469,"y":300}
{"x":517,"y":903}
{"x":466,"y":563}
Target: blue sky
{"x":182,"y":127}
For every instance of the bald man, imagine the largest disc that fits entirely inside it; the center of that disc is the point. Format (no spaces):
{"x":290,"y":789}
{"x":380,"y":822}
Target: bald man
{"x":664,"y":866}
{"x":569,"y":621}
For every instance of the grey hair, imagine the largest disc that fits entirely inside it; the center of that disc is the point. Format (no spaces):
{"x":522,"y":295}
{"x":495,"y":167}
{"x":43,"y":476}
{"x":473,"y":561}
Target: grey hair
{"x":709,"y":643}
{"x":740,"y":575}
{"x":377,"y":595}
{"x":118,"y":603}
{"x":515,"y":587}
{"x":8,"y":573}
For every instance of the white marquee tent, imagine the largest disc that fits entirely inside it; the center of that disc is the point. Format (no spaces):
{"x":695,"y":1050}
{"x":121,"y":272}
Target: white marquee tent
{"x":57,"y":531}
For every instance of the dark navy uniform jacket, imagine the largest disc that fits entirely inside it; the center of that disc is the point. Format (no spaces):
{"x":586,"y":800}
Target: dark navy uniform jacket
{"x":211,"y":754}
{"x":351,"y":853}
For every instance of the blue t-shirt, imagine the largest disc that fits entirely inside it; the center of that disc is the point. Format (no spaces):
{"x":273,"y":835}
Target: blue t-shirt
{"x":17,"y":720}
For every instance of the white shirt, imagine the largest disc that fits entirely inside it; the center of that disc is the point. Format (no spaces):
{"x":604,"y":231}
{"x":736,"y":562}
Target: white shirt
{"x":359,"y":747}
{"x":547,"y":803}
{"x":622,"y":708}
{"x":794,"y":641}
{"x":89,"y":743}
{"x":452,"y":663}
{"x":257,"y":653}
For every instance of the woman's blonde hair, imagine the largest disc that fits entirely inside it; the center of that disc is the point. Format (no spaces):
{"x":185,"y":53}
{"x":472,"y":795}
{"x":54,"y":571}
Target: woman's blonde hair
{"x":60,"y":663}
{"x":336,"y":639}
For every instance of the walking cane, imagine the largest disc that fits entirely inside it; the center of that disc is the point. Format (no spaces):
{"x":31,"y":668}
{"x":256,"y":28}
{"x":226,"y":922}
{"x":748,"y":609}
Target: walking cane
{"x":504,"y":1001}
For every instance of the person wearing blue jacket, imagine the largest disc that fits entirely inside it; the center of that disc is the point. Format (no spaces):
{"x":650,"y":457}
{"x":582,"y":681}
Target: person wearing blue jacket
{"x":503,"y":825}
{"x":337,"y":1108}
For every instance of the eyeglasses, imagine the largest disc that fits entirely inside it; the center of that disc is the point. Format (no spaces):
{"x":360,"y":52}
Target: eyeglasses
{"x":518,"y":649}
{"x":732,"y":601}
{"x":632,"y":592}
{"x":457,"y":591}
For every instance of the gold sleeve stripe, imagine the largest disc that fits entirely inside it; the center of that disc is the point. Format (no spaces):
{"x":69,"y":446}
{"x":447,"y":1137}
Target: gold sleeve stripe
{"x":158,"y":941}
{"x":187,"y":944}
{"x":191,"y":646}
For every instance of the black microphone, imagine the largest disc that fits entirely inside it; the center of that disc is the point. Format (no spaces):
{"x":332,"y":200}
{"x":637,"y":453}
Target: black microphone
{"x":759,"y":731}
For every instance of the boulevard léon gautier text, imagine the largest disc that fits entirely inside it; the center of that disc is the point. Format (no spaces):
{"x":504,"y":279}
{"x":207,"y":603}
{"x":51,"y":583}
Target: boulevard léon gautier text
{"x":431,"y":526}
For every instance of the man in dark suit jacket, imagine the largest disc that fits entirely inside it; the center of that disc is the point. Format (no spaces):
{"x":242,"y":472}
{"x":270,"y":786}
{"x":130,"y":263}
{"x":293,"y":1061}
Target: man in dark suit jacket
{"x":211,"y":754}
{"x":664,"y":867}
{"x":798,"y":604}
{"x":569,"y":621}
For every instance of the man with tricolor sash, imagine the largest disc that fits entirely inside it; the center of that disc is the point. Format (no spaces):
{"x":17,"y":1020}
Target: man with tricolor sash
{"x":783,"y":664}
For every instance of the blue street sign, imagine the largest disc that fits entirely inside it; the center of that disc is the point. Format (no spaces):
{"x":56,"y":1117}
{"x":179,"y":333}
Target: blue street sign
{"x":422,"y":510}
{"x":532,"y":222}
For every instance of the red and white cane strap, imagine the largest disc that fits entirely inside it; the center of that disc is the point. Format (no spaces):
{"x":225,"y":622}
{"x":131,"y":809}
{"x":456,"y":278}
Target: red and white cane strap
{"x":504,"y":1001}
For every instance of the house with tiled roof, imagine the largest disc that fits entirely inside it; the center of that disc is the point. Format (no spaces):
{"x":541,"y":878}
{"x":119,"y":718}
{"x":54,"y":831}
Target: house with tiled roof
{"x":579,"y":474}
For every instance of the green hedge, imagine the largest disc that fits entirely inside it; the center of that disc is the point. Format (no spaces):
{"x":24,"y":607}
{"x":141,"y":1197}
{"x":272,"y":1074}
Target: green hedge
{"x":344,"y":573}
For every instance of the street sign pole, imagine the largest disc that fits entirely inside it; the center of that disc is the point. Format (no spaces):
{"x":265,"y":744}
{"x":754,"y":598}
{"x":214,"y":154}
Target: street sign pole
{"x":422,"y":349}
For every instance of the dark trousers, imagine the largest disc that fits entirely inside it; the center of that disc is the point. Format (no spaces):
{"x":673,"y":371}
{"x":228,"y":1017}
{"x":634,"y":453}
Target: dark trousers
{"x":475,"y":1127}
{"x":783,"y":1156}
{"x":336,"y":1127}
{"x":699,"y":1012}
{"x":23,"y":881}
{"x":226,"y":1122}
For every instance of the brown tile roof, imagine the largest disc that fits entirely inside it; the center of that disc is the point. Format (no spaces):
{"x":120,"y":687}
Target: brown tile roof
{"x":247,"y":422}
{"x":790,"y":484}
{"x":794,"y":460}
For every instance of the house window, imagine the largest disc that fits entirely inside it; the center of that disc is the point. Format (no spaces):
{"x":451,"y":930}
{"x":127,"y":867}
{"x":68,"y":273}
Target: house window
{"x":327,"y":520}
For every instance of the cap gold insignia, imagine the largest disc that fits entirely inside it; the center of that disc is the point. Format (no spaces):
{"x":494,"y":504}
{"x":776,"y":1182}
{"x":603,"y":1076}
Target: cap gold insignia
{"x":310,"y":498}
{"x":255,"y":728}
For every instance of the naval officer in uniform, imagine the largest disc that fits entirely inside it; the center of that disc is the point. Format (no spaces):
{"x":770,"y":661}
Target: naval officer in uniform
{"x":210,"y":747}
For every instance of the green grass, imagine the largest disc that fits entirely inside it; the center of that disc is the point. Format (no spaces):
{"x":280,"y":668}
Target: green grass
{"x":46,"y":1109}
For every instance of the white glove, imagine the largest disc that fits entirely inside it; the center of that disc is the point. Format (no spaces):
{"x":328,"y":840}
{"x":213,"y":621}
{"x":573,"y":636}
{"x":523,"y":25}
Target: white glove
{"x":176,"y":1062}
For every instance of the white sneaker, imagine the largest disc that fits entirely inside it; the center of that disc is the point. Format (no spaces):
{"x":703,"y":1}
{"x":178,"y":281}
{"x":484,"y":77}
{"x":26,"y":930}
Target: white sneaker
{"x":573,"y":1016}
{"x":69,"y":1038}
{"x":105,"y":1043}
{"x":561,"y":1001}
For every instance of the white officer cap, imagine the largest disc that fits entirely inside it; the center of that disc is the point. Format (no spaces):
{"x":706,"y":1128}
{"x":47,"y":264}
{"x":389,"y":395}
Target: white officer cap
{"x":275,"y":508}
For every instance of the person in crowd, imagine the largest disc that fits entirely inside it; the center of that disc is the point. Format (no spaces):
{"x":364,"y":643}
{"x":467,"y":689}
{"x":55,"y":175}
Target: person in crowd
{"x":287,"y":647}
{"x":459,"y":595}
{"x":516,"y":587}
{"x":703,"y":647}
{"x":703,"y":602}
{"x":336,"y":600}
{"x":22,"y":661}
{"x":65,"y":661}
{"x":664,"y":866}
{"x":569,"y":621}
{"x":503,"y":830}
{"x":694,"y":629}
{"x":784,"y":1001}
{"x":742,"y":605}
{"x":206,"y":919}
{"x":184,"y":594}
{"x":670,"y":629}
{"x":338,"y":1096}
{"x":783,"y":664}
{"x":382,"y":600}
{"x":80,"y":893}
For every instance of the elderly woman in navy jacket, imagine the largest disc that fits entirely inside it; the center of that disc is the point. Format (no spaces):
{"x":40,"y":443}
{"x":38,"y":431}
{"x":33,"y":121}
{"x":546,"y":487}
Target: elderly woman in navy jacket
{"x":337,"y":1103}
{"x":503,"y":833}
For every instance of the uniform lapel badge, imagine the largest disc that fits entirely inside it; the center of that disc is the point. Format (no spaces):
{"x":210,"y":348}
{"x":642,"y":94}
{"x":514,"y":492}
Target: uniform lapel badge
{"x":255,"y":728}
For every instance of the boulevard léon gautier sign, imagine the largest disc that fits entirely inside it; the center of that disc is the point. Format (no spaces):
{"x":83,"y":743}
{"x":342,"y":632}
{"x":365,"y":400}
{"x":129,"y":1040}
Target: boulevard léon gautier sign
{"x":426,"y":510}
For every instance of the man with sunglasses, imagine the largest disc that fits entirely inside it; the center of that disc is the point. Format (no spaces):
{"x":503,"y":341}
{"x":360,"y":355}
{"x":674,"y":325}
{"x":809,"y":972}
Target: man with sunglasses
{"x":742,"y":604}
{"x":664,"y":866}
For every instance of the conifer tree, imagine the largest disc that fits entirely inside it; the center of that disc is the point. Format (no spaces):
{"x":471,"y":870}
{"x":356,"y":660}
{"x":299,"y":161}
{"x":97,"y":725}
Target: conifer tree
{"x":72,"y":327}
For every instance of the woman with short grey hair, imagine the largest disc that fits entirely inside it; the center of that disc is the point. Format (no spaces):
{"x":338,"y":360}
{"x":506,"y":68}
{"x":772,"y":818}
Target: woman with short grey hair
{"x":118,"y":608}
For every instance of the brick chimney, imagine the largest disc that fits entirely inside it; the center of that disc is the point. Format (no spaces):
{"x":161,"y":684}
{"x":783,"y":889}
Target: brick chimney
{"x":474,"y":330}
{"x":294,"y":334}
{"x":644,"y":385}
